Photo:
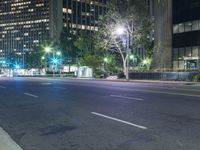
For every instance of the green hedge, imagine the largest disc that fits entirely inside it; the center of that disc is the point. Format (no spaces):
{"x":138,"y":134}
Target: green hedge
{"x":197,"y":78}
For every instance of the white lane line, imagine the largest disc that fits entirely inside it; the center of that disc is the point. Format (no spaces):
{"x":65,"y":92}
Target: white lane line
{"x":28,"y":94}
{"x":3,"y":87}
{"x":60,"y":88}
{"x":132,"y":98}
{"x":46,"y":83}
{"x":6,"y":142}
{"x":119,"y":120}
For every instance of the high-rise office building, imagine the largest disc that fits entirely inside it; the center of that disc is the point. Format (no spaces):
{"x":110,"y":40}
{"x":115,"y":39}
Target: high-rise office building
{"x":25,"y":24}
{"x":177,"y":34}
{"x":186,"y":34}
{"x":83,"y":14}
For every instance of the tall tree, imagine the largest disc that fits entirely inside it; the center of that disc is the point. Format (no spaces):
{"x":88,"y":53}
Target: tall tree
{"x":88,"y":54}
{"x":67,"y":39}
{"x":134,"y":23}
{"x":34,"y":58}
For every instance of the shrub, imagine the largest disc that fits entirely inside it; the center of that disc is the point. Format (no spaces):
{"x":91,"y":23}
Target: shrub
{"x":197,"y":78}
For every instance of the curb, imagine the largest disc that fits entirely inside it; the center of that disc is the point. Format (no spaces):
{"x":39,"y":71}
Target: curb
{"x":121,"y":80}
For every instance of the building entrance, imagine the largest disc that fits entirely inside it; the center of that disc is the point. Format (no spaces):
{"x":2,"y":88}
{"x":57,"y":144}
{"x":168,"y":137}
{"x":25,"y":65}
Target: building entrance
{"x":191,"y":64}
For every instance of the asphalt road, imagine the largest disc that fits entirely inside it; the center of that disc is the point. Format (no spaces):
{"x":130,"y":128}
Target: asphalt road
{"x":42,"y":114}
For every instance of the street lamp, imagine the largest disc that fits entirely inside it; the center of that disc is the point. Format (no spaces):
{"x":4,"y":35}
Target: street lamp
{"x":145,"y":62}
{"x":131,"y":57}
{"x":120,"y":30}
{"x":43,"y":58}
{"x":55,"y":60}
{"x":47,"y":49}
{"x":58,"y":53}
{"x":105,"y":60}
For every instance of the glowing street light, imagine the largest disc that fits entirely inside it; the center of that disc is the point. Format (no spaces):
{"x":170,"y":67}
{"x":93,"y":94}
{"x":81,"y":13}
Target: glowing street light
{"x":47,"y":49}
{"x":17,"y":66}
{"x":58,"y":53}
{"x":120,"y":30}
{"x":55,"y":61}
{"x":131,"y":57}
{"x":105,"y":60}
{"x":43,"y":58}
{"x":145,"y":62}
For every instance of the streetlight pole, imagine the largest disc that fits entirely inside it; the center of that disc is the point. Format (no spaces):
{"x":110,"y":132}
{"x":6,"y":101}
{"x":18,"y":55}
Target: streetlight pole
{"x":122,"y":31}
{"x":53,"y":65}
{"x":127,"y":53}
{"x":59,"y":54}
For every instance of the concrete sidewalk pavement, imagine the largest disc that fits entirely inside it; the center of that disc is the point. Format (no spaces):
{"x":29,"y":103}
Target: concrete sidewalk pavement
{"x":119,"y":80}
{"x":6,"y":143}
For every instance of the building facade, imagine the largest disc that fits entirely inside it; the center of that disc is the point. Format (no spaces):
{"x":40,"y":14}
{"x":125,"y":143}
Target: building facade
{"x":177,"y":34}
{"x":24,"y":24}
{"x":186,"y":34}
{"x":162,"y":12}
{"x":83,"y":14}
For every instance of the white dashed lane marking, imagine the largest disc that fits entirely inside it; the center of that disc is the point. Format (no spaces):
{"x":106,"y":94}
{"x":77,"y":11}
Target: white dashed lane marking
{"x":2,"y":87}
{"x":119,"y":120}
{"x":124,"y":97}
{"x":31,"y":95}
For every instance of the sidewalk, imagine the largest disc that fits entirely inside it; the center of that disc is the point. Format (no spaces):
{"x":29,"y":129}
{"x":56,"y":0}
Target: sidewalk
{"x":156,"y":81}
{"x":120,"y":80}
{"x":6,"y":143}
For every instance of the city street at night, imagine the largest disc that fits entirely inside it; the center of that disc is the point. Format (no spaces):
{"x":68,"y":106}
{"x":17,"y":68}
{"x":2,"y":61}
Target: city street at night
{"x":69,"y":114}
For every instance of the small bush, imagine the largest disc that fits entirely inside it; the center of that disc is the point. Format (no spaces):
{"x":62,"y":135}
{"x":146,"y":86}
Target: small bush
{"x":121,"y":75}
{"x":197,"y":78}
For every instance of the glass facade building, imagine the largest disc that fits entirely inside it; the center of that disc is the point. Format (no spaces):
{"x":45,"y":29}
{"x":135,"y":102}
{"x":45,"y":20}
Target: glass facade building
{"x":186,"y":34}
{"x":23,"y":25}
{"x":83,"y":14}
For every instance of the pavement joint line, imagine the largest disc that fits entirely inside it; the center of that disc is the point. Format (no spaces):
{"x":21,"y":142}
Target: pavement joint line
{"x":132,"y":98}
{"x":28,"y":94}
{"x":3,"y":87}
{"x":6,"y":142}
{"x":119,"y":120}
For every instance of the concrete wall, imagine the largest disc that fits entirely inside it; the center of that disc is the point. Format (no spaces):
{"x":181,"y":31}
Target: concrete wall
{"x":163,"y":34}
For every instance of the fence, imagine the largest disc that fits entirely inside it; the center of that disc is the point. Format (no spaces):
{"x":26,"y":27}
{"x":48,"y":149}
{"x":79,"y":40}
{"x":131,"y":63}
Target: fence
{"x":176,"y":76}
